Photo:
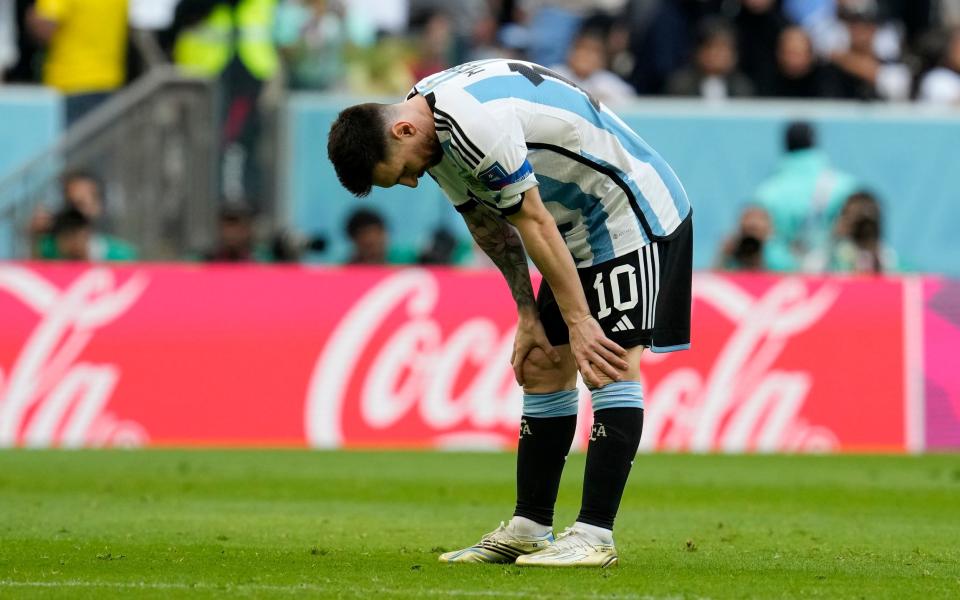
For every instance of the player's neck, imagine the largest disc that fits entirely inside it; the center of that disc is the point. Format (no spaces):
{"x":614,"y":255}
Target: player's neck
{"x":417,"y":111}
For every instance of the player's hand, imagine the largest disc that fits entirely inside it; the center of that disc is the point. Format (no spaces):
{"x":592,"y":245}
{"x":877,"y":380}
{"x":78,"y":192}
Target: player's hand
{"x":530,"y":335}
{"x":595,"y":353}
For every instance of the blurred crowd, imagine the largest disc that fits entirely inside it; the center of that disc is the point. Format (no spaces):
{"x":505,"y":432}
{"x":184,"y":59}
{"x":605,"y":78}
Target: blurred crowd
{"x":810,"y":217}
{"x":859,"y":49}
{"x":807,"y":216}
{"x":894,"y":50}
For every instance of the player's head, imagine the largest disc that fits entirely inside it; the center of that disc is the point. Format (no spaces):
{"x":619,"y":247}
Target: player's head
{"x":382,"y":145}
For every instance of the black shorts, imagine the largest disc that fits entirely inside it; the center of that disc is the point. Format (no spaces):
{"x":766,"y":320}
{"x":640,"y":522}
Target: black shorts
{"x":640,"y":299}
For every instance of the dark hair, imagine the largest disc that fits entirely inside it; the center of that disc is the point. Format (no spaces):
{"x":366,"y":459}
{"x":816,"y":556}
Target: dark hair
{"x":236,"y":212}
{"x":69,"y":220}
{"x":865,"y":197}
{"x":357,"y":142}
{"x":868,"y":225}
{"x":865,"y":11}
{"x":713,"y":28}
{"x":361,"y":219}
{"x":800,"y":135}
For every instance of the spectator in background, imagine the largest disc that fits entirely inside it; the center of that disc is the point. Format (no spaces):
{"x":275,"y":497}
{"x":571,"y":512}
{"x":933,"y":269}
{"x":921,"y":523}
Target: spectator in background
{"x":86,"y":49}
{"x":753,"y":246}
{"x":311,"y":38}
{"x":804,"y":197}
{"x":436,"y":45}
{"x":8,"y":36}
{"x":444,"y":249}
{"x":799,"y":72}
{"x":586,"y":66}
{"x":371,"y":242}
{"x":858,"y":238}
{"x":949,"y":13}
{"x":232,"y":41}
{"x":59,"y":237}
{"x":368,"y":233}
{"x":759,"y":24}
{"x":640,"y":38}
{"x":942,"y":84}
{"x":858,"y":72}
{"x":70,"y":237}
{"x":661,"y":38}
{"x":235,"y":236}
{"x":83,"y":191}
{"x":830,"y":32}
{"x":485,"y":40}
{"x":83,"y":194}
{"x":552,"y":25}
{"x":713,"y":74}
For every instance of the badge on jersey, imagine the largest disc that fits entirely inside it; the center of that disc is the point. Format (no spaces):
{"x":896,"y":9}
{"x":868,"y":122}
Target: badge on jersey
{"x":495,"y":177}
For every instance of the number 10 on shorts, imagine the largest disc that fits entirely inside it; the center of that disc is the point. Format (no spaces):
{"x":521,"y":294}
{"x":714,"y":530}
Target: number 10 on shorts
{"x":617,"y":291}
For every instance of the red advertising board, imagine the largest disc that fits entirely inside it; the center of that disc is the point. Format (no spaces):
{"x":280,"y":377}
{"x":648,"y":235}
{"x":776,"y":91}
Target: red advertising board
{"x":200,"y":355}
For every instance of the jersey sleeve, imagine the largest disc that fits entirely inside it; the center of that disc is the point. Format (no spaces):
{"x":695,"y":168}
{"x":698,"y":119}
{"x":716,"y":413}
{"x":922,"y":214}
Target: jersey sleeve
{"x":461,"y":201}
{"x":492,"y":147}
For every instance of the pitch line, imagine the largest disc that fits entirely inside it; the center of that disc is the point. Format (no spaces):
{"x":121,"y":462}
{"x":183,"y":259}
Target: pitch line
{"x":310,"y":587}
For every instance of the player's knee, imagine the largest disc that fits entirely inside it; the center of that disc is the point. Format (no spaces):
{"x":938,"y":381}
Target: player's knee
{"x":540,"y":374}
{"x":537,"y":366}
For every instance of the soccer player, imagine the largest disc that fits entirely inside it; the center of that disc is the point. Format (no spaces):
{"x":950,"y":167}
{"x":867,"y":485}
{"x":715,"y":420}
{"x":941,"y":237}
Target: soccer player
{"x":532,"y":161}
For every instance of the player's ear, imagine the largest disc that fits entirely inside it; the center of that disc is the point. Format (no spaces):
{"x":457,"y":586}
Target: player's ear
{"x":402,"y":129}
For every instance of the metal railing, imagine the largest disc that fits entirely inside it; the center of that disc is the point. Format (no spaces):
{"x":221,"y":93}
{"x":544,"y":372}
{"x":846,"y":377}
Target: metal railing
{"x":154,"y":146}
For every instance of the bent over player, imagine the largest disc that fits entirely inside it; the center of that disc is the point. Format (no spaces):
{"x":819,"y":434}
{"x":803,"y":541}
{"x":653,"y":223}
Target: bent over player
{"x":527,"y":156}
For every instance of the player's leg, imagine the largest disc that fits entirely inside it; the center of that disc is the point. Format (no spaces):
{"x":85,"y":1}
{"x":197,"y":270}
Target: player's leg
{"x":547,"y":428}
{"x":614,"y":440}
{"x":643,"y":300}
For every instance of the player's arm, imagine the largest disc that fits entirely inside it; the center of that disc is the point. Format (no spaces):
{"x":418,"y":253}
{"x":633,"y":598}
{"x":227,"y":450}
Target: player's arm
{"x":500,"y":242}
{"x":542,"y":239}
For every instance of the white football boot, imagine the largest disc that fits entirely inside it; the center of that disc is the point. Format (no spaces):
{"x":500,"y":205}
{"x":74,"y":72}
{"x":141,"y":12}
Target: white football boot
{"x":502,"y":545}
{"x":573,"y":548}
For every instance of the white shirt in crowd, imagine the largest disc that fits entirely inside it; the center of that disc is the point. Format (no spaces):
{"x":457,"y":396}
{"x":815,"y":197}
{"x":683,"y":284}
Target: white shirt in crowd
{"x":940,"y":86}
{"x":152,"y":15}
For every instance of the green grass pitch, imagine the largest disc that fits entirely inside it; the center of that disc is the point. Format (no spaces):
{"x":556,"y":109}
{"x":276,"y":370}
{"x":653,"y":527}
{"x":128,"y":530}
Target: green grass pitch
{"x":284,"y":524}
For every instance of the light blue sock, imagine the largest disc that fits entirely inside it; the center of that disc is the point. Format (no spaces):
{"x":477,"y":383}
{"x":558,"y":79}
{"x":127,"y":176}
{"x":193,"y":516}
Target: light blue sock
{"x":619,"y":394}
{"x":556,"y":404}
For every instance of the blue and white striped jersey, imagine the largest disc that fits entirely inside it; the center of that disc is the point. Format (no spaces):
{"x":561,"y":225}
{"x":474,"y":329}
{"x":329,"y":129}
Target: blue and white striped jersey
{"x":507,"y":125}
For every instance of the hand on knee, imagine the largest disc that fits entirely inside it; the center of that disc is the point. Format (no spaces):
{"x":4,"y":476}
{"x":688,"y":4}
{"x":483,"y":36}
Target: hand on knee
{"x":541,"y":375}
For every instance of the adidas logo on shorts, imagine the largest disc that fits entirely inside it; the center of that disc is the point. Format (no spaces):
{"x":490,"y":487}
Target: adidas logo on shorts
{"x":624,"y":324}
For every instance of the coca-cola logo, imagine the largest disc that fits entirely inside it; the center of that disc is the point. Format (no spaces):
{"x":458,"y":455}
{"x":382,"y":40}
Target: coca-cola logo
{"x":414,"y":371}
{"x":48,"y":396}
{"x":742,"y":402}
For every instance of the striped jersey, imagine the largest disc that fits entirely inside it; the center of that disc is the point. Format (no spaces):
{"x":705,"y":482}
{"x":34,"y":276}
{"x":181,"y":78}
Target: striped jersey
{"x":507,"y":126}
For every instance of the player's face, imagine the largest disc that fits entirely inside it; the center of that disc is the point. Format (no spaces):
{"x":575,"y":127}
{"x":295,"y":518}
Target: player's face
{"x":409,"y":155}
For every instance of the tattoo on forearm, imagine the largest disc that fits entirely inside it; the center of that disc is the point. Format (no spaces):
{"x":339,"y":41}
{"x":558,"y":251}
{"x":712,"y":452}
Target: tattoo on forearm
{"x":502,"y":244}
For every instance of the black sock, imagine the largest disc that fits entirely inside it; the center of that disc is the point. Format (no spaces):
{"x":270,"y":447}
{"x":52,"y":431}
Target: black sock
{"x":614,"y":440}
{"x":544,"y":445}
